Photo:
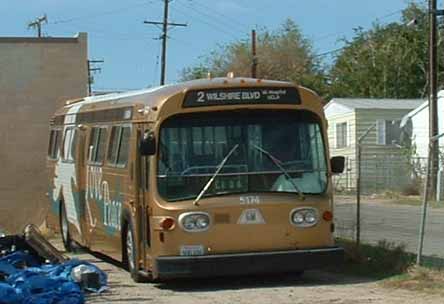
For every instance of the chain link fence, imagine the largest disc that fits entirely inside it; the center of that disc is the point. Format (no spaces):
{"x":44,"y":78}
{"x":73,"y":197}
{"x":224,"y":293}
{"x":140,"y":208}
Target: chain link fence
{"x":391,"y":205}
{"x":381,"y":173}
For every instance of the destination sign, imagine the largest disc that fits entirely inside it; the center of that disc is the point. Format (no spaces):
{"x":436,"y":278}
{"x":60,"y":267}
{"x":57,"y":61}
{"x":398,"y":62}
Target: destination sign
{"x":236,"y":96}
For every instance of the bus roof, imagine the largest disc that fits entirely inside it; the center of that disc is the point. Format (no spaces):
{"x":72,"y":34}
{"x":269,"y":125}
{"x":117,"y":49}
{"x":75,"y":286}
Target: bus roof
{"x":157,"y":96}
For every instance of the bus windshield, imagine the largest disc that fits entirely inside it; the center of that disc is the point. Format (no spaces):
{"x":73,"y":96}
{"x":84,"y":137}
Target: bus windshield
{"x":192,"y":146}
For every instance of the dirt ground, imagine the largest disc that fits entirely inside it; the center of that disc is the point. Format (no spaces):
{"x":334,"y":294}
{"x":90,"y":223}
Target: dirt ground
{"x":313,"y":287}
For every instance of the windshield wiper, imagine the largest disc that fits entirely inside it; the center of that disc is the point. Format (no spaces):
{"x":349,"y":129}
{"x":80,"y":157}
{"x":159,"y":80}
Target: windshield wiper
{"x":219,"y":167}
{"x":278,"y":164}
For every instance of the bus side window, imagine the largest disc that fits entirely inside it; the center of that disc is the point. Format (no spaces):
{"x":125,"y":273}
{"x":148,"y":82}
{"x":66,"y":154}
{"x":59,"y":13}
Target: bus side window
{"x":54,"y":144}
{"x":66,"y":141}
{"x":122,"y":158}
{"x":94,"y":137}
{"x":113,"y":145}
{"x":118,"y":148}
{"x":97,"y":145}
{"x":72,"y":150}
{"x":100,"y":155}
{"x":69,"y":145}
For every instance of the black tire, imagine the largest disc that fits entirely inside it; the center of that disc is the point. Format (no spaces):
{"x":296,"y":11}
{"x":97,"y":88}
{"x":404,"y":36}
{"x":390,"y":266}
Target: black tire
{"x":130,"y":252}
{"x":299,"y":273}
{"x":64,"y":229}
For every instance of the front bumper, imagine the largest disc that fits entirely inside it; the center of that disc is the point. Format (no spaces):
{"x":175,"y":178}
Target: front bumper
{"x":246,"y":263}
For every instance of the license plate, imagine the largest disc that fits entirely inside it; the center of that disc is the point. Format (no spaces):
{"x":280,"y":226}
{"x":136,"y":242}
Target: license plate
{"x":190,"y":250}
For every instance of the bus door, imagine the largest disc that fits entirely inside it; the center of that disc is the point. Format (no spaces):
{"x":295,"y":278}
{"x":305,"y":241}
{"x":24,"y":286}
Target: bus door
{"x":78,"y":145}
{"x":143,"y":187}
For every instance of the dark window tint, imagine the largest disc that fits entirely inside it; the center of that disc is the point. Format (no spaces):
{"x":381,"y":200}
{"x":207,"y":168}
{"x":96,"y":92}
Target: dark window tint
{"x":97,"y":145}
{"x":66,"y":140}
{"x":54,"y":144}
{"x":69,"y":144}
{"x":392,"y":132}
{"x":92,"y":151}
{"x":75,"y":136}
{"x":101,"y":145}
{"x":113,"y":145}
{"x":123,"y":149}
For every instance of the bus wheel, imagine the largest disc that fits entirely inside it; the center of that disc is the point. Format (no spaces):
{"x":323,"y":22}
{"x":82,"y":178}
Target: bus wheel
{"x":64,"y":228}
{"x":129,"y":252}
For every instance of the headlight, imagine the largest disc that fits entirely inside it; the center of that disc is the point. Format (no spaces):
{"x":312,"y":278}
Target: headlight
{"x":310,"y":217}
{"x":304,"y":217}
{"x":194,"y":221}
{"x":298,"y":218}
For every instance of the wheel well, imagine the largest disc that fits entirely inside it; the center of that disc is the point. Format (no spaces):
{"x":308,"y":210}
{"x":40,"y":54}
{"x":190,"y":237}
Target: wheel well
{"x":125,"y":220}
{"x":123,"y":231}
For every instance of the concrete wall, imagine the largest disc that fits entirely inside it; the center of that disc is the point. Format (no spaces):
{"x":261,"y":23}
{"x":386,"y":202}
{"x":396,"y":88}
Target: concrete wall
{"x":36,"y":76}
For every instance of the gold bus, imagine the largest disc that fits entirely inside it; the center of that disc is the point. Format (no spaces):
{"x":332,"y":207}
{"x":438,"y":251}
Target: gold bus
{"x":209,"y":177}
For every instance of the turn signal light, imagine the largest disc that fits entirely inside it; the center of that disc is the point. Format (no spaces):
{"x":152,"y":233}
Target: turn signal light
{"x":167,"y":223}
{"x":327,"y":216}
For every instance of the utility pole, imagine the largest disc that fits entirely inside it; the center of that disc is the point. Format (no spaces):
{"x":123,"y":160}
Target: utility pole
{"x":253,"y":51}
{"x":37,"y":23}
{"x":91,"y":70}
{"x":433,"y":96}
{"x":164,"y":38}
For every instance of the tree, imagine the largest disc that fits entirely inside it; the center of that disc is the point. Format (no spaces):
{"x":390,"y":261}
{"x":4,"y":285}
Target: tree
{"x":284,"y":54}
{"x":387,"y":61}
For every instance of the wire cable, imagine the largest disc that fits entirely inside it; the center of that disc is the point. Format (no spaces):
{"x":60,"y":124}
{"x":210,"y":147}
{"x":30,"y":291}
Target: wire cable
{"x":95,"y":15}
{"x":211,"y":24}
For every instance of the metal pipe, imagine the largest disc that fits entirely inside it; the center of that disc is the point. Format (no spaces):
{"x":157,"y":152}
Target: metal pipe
{"x":425,"y":201}
{"x":358,"y":185}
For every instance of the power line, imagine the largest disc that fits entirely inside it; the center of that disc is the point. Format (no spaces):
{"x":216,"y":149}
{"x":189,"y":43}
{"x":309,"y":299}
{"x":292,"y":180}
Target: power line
{"x":95,"y":15}
{"x":215,"y":26}
{"x":165,"y":24}
{"x":316,"y":39}
{"x":92,"y":69}
{"x":329,"y":52}
{"x":337,"y":34}
{"x":156,"y":66}
{"x":102,"y":33}
{"x":222,"y":18}
{"x":37,"y":24}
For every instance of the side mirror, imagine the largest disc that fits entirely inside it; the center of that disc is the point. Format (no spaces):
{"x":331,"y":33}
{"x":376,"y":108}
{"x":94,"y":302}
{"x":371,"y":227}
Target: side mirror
{"x":337,"y":164}
{"x":147,"y":144}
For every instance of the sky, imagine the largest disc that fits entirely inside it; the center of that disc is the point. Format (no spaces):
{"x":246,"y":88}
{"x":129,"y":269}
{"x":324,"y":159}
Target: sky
{"x":131,"y":49}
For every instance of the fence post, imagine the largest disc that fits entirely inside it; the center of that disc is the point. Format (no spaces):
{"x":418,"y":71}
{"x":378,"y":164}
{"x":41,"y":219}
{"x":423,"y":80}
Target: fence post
{"x":358,"y":185}
{"x":425,"y":200}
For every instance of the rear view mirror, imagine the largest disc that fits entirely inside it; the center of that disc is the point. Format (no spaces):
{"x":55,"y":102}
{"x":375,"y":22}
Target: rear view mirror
{"x":337,"y":164}
{"x":147,"y":144}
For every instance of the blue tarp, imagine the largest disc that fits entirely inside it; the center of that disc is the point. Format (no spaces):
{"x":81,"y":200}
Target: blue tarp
{"x":42,"y":284}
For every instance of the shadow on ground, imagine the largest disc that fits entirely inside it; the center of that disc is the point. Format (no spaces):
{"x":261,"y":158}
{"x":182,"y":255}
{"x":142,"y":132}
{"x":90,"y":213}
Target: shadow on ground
{"x":309,"y":278}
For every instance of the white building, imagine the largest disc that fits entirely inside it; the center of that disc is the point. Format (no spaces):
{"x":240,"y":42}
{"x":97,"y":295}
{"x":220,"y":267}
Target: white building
{"x":416,"y":127}
{"x":348,"y":120}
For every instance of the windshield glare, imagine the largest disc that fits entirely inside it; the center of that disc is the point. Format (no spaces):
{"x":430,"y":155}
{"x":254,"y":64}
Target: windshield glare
{"x":191,"y":148}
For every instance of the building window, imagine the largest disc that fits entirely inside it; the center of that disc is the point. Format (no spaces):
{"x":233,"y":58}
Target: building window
{"x":389,"y":132}
{"x":341,"y":135}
